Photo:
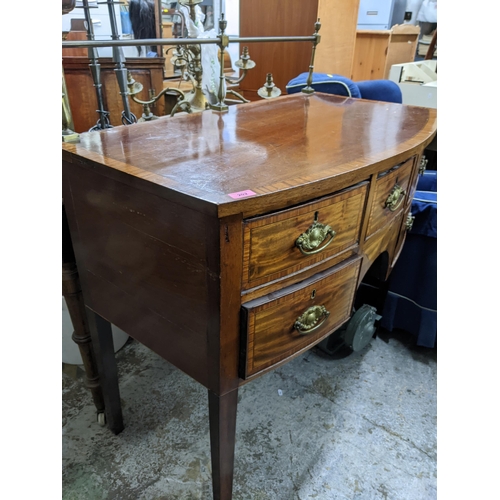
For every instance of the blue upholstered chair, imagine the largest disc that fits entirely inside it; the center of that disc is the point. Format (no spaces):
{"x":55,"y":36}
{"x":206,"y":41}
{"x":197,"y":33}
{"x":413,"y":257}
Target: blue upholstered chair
{"x":374,"y":90}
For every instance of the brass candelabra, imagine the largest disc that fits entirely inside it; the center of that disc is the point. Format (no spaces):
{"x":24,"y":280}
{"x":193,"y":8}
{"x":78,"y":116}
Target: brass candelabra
{"x":187,"y":54}
{"x":188,"y":57}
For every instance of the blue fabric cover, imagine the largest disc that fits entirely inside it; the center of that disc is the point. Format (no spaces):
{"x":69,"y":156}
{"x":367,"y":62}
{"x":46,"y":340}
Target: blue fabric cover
{"x":374,"y":90}
{"x":424,"y":209}
{"x":411,"y":302}
{"x":380,"y":90}
{"x":427,"y":181}
{"x":323,"y":82}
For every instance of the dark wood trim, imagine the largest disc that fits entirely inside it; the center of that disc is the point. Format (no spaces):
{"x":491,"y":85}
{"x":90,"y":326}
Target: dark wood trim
{"x":227,"y":335}
{"x":102,"y":340}
{"x":222,"y":416}
{"x":82,"y":63}
{"x":432,"y":46}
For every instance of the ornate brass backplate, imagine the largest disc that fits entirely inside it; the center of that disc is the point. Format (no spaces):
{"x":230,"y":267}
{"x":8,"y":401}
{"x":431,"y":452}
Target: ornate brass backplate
{"x":310,"y":319}
{"x":423,"y":165}
{"x":395,"y":198}
{"x":409,"y":221}
{"x":310,"y":241}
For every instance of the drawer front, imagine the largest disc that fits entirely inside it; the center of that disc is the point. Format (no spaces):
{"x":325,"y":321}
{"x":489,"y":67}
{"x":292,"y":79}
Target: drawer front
{"x":406,"y":225}
{"x":282,"y":324}
{"x":392,"y":191}
{"x":271,"y":250}
{"x":382,"y":242}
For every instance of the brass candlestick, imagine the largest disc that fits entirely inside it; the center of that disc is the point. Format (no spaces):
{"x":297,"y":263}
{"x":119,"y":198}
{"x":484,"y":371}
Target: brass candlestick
{"x":220,"y":105}
{"x":308,"y":89}
{"x":188,"y":57}
{"x":269,"y":90}
{"x":191,"y":4}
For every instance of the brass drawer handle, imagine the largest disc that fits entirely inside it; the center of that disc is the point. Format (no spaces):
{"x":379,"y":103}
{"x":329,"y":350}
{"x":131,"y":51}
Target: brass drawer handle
{"x":395,"y":198}
{"x":310,"y":241}
{"x":423,"y":165}
{"x":409,"y":222}
{"x":311,"y":319}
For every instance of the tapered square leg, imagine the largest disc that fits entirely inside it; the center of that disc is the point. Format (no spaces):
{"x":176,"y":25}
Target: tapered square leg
{"x":222,"y":415}
{"x":102,"y":341}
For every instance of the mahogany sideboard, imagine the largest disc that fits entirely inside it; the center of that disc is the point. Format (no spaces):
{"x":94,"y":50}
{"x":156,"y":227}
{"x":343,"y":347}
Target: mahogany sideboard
{"x":229,"y":243}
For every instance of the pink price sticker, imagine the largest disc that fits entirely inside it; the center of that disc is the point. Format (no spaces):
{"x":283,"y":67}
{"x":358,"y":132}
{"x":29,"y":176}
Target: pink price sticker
{"x":242,"y":194}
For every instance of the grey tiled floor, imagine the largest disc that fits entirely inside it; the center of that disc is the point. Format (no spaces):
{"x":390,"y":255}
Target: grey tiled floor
{"x":362,"y":427}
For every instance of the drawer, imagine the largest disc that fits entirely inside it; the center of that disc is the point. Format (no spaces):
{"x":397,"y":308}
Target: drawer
{"x":271,"y":246}
{"x":391,"y":195}
{"x":281,"y":324}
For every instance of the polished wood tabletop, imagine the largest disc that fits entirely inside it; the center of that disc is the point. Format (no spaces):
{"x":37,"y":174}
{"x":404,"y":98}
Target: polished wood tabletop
{"x":202,"y":155}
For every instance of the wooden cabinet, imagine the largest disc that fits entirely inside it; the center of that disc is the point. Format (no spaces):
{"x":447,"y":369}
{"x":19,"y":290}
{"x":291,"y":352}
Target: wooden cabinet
{"x":286,"y":60}
{"x":82,"y":96}
{"x":335,"y":52}
{"x":230,"y":243}
{"x":377,"y":50}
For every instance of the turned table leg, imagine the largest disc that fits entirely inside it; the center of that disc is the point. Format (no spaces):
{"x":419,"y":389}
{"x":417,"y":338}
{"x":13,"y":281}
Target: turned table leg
{"x":72,"y":294}
{"x":81,"y":336}
{"x":94,"y":338}
{"x":222,"y":415}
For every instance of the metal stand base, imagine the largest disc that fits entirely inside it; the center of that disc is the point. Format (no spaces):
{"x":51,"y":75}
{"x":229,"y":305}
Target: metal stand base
{"x":219,"y":107}
{"x":74,"y":137}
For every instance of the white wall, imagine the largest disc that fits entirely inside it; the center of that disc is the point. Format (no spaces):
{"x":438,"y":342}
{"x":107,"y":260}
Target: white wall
{"x":231,"y":9}
{"x":413,"y":6}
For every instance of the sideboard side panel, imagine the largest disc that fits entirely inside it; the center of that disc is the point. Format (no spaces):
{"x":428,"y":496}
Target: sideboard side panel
{"x":147,"y":265}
